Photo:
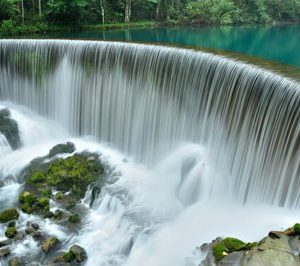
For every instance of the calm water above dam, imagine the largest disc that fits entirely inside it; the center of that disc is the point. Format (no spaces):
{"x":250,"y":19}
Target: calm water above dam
{"x":261,"y":41}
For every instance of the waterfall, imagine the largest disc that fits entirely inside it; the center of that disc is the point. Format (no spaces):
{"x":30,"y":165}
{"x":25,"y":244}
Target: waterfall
{"x":148,"y":100}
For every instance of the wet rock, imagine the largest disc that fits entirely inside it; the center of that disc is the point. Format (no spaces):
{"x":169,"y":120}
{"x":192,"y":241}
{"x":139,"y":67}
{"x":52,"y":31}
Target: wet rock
{"x":31,"y":228}
{"x":79,"y":253}
{"x":4,"y":252}
{"x":74,"y":218}
{"x":5,"y":243}
{"x":69,"y":147}
{"x":9,"y":128}
{"x":19,"y":236}
{"x":9,"y":215}
{"x":15,"y":261}
{"x":49,"y":244}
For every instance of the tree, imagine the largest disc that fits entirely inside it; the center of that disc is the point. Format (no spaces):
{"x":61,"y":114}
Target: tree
{"x":66,"y":12}
{"x":127,"y":10}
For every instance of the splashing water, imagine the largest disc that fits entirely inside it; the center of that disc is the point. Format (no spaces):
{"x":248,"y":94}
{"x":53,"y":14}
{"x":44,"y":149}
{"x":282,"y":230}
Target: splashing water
{"x":209,"y":143}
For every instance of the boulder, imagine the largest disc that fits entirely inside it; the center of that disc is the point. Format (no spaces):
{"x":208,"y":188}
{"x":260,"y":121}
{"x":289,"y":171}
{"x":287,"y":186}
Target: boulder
{"x":9,"y":128}
{"x":9,"y":215}
{"x":79,"y":253}
{"x":5,"y":243}
{"x":69,"y":147}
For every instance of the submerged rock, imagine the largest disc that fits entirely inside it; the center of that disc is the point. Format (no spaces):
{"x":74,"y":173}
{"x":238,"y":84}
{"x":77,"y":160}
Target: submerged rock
{"x":9,"y":215}
{"x":5,"y":243}
{"x":49,"y":244}
{"x":4,"y":252}
{"x":15,"y":261}
{"x":9,"y":128}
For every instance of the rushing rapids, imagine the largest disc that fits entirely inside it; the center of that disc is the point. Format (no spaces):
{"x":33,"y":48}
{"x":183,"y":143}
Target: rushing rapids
{"x":207,"y":130}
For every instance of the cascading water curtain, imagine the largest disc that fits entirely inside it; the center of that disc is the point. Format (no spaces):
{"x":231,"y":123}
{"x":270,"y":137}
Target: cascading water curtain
{"x":147,"y":100}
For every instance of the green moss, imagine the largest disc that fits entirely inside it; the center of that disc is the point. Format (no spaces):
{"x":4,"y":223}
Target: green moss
{"x":47,"y":193}
{"x":26,"y":207}
{"x":27,"y":197}
{"x":74,"y":218}
{"x":36,"y":178}
{"x":233,"y":244}
{"x":11,"y":232}
{"x":59,"y":195}
{"x":297,"y":228}
{"x":9,"y":215}
{"x":43,"y":203}
{"x":251,"y":245}
{"x":220,"y":251}
{"x":74,"y":173}
{"x":68,"y":256}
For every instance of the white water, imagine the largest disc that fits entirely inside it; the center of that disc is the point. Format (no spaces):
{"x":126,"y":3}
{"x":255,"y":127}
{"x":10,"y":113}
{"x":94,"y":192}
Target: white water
{"x":203,"y":136}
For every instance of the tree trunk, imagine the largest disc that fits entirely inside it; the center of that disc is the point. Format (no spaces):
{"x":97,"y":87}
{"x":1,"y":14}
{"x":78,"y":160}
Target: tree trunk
{"x":102,"y":11}
{"x":127,"y":10}
{"x":22,"y":11}
{"x":40,"y":8}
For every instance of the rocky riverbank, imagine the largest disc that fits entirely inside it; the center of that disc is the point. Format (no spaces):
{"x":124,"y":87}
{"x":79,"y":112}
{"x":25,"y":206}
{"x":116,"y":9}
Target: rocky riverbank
{"x":53,"y":187}
{"x":278,"y":248}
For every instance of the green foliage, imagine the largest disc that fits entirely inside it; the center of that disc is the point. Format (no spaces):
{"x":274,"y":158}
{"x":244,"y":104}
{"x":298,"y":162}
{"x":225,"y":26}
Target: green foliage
{"x":78,"y":13}
{"x":7,"y":9}
{"x":66,"y":12}
{"x":9,"y":215}
{"x":297,"y":228}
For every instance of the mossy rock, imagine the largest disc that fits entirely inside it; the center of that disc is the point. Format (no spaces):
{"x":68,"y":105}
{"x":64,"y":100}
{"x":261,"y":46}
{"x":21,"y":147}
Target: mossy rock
{"x":9,"y":128}
{"x":74,"y":173}
{"x":47,"y":193}
{"x":229,"y":245}
{"x":27,"y":197}
{"x":74,"y":218}
{"x":11,"y":232}
{"x":49,"y":244}
{"x":234,"y":244}
{"x":36,"y":178}
{"x":9,"y":215}
{"x":43,"y":203}
{"x":68,"y":256}
{"x":27,"y":208}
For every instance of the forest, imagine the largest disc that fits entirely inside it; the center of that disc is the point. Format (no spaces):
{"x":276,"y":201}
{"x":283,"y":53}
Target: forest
{"x":31,"y":16}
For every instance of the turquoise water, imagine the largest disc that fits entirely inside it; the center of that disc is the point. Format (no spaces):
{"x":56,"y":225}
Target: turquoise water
{"x":278,"y":43}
